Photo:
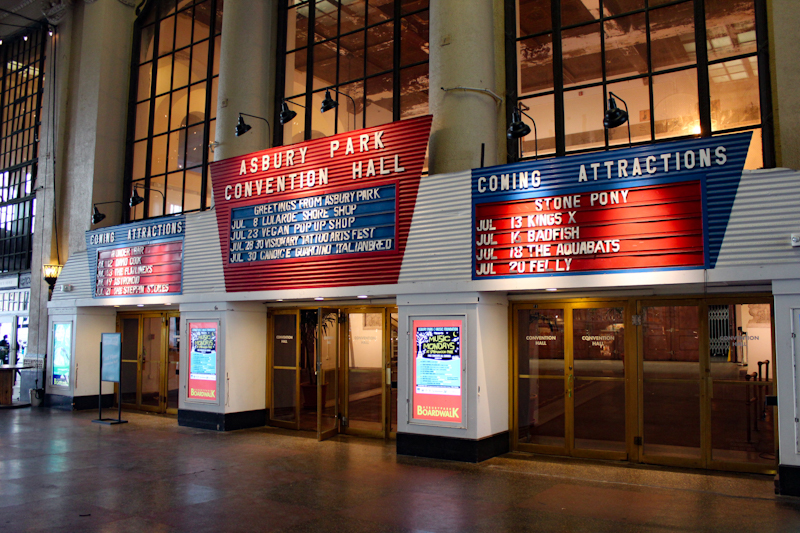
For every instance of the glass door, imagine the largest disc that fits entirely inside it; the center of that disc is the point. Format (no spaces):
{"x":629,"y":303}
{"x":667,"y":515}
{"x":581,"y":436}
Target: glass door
{"x":366,"y":377}
{"x":571,"y":379}
{"x":673,"y":377}
{"x":151,"y":364}
{"x":286,"y":375}
{"x":327,"y":365}
{"x":173,"y":362}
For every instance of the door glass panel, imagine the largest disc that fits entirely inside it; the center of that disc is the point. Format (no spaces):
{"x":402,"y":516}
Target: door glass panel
{"x":671,"y":390}
{"x":130,"y":356}
{"x":541,"y":376}
{"x":309,"y":322}
{"x":393,"y":332}
{"x":284,"y":372}
{"x":366,"y":375}
{"x":599,"y":404}
{"x":151,"y":361}
{"x":328,"y":375}
{"x":741,"y":365}
{"x":173,"y":361}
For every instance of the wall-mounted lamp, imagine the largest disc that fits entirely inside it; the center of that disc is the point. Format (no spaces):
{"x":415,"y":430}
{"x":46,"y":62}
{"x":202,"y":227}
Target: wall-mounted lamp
{"x":286,"y":114}
{"x":51,"y":273}
{"x":329,"y":103}
{"x":615,"y":117}
{"x":136,"y":199}
{"x":242,"y":127}
{"x":97,"y":216}
{"x":518,"y":129}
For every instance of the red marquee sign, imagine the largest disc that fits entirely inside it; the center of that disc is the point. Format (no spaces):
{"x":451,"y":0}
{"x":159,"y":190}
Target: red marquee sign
{"x":142,"y":269}
{"x":657,"y":226}
{"x":329,"y":212}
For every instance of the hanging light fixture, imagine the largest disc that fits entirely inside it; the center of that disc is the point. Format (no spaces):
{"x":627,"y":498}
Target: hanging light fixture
{"x":615,"y":117}
{"x":518,"y":129}
{"x":286,"y":114}
{"x":97,"y":216}
{"x":137,"y":199}
{"x":328,"y":103}
{"x":241,"y":126}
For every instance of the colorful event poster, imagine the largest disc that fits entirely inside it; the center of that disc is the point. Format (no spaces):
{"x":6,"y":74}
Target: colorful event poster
{"x":203,"y":361}
{"x":437,"y":371}
{"x":62,"y":353}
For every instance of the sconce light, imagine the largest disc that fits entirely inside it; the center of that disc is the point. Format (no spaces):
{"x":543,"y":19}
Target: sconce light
{"x":242,"y":127}
{"x":287,"y":114}
{"x":51,"y":273}
{"x":136,"y":199}
{"x":615,"y":117}
{"x":518,"y":129}
{"x":97,"y":216}
{"x":329,"y":103}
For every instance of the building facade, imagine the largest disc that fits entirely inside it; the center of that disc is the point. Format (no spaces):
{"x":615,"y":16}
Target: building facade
{"x":555,"y":226}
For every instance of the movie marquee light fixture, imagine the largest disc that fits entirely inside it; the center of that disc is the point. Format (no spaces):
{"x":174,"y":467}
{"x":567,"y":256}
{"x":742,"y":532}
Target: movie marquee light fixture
{"x":242,"y":127}
{"x":97,"y":216}
{"x":136,"y":199}
{"x":518,"y":129}
{"x":615,"y":117}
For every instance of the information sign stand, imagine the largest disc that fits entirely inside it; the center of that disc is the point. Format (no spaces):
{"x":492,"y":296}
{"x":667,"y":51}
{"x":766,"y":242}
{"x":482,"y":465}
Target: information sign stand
{"x":110,"y":370}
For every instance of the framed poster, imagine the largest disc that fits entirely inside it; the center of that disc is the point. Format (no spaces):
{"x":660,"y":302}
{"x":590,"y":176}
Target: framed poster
{"x":111,"y":360}
{"x":438,"y":371}
{"x":202,"y":361}
{"x":62,"y":353}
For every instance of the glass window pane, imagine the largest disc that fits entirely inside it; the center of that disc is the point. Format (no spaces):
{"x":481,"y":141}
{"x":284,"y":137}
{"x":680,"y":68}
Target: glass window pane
{"x":212,"y":131}
{"x":166,"y":36}
{"x":217,"y":45}
{"x":730,"y":28}
{"x":214,"y":95}
{"x":146,"y":43}
{"x":326,"y":18}
{"x":178,"y":112}
{"x":174,"y":193}
{"x":599,"y":414}
{"x":139,"y":159}
{"x":672,"y":36}
{"x":733,"y":88}
{"x":352,"y":16}
{"x":164,"y":75}
{"x":581,"y":53}
{"x":583,"y":118}
{"x":296,"y":29}
{"x":351,"y":57}
{"x":351,"y":118}
{"x":622,"y":6}
{"x":323,"y":124}
{"x":142,"y":120}
{"x":671,"y":342}
{"x":161,"y":115}
{"x":535,"y":64}
{"x":200,"y":61}
{"x":176,"y":154}
{"x":158,"y":161}
{"x":379,"y":100}
{"x":183,"y":33}
{"x":383,"y":10}
{"x":414,"y":91}
{"x":577,"y":11}
{"x":598,"y":342}
{"x":626,"y":46}
{"x":675,"y":104}
{"x":541,"y":342}
{"x":145,"y":81}
{"x":191,"y":144}
{"x":541,"y":109}
{"x":324,"y":65}
{"x":295,"y":73}
{"x":191,"y":192}
{"x":533,"y":16}
{"x":414,"y":38}
{"x":180,"y":70}
{"x":636,"y":94}
{"x":197,"y":103}
{"x":201,"y":21}
{"x":380,"y":48}
{"x":156,"y":203}
{"x":406,"y":6}
{"x":293,"y":130}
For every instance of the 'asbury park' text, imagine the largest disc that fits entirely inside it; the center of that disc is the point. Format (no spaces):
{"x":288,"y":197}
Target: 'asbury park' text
{"x":286,"y":178}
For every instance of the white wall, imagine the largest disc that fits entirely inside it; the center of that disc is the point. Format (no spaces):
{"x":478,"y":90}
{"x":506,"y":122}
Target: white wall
{"x":787,"y":356}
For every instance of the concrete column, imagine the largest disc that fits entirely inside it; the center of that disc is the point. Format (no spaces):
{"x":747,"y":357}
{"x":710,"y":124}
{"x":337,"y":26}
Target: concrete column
{"x":784,"y":19}
{"x":463,"y":45}
{"x":246,"y":76}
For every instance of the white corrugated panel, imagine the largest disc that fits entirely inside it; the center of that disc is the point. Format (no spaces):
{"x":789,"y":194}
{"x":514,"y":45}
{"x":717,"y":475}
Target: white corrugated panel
{"x":764,"y":215}
{"x":439,"y":244}
{"x":202,"y":262}
{"x":75,"y":273}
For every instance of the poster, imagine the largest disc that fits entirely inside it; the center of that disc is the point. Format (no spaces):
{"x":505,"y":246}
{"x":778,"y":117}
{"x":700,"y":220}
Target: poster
{"x":62,"y":353}
{"x":203,"y":361}
{"x":112,"y":356}
{"x":437,"y":394}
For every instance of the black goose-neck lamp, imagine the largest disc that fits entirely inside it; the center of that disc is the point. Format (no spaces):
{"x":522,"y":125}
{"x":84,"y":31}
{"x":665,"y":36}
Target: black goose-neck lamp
{"x":518,"y":129}
{"x":286,"y":114}
{"x":97,"y":216}
{"x":137,"y":199}
{"x":242,"y":127}
{"x":615,"y":117}
{"x":329,"y":103}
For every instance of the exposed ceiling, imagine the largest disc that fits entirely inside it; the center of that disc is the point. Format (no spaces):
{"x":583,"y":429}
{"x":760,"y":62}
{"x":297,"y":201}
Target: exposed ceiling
{"x":15,"y":15}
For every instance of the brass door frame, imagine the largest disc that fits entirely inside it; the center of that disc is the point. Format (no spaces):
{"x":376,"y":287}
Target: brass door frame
{"x":169,"y":315}
{"x":271,"y":369}
{"x":321,"y":382}
{"x":569,"y":379}
{"x":163,"y":363}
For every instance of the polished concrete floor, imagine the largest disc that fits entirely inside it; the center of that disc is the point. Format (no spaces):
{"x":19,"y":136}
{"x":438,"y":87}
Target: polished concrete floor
{"x":59,"y":472}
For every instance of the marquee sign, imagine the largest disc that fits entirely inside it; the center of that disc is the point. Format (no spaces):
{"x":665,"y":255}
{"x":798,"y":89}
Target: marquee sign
{"x":141,"y":258}
{"x":651,"y":207}
{"x":327,"y":212}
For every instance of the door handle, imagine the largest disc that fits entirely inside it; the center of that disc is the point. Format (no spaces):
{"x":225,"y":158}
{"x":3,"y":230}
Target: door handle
{"x":569,"y":386}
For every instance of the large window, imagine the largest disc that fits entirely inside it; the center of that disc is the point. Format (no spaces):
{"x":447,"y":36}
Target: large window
{"x":372,"y":55}
{"x":173,"y":106}
{"x":20,"y":101}
{"x":570,"y":54}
